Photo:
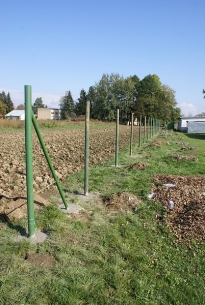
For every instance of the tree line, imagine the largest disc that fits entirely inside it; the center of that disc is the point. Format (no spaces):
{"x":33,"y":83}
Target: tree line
{"x":146,"y":97}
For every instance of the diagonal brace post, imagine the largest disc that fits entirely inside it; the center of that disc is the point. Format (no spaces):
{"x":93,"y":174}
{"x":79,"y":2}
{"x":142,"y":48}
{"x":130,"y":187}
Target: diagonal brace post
{"x":48,"y":160}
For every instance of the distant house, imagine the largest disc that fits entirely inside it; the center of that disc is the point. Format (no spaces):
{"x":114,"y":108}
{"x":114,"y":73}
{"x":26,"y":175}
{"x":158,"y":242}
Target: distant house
{"x":16,"y":115}
{"x":48,"y":114}
{"x":186,"y":124}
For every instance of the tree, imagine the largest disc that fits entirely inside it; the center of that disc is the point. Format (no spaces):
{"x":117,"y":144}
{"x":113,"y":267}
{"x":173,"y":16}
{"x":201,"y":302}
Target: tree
{"x":2,"y":108}
{"x":38,"y":104}
{"x":147,"y":97}
{"x":80,"y":106}
{"x":107,"y":96}
{"x":9,"y":103}
{"x":156,"y":100}
{"x":6,"y":99}
{"x":91,"y":98}
{"x":20,"y":107}
{"x":67,"y":106}
{"x":201,"y":114}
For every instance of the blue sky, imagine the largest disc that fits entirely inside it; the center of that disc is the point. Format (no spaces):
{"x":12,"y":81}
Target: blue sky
{"x":56,"y":46}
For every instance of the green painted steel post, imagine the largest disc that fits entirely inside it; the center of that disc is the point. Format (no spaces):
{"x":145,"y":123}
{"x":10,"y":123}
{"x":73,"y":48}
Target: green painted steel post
{"x":145,"y":126}
{"x":48,"y":159}
{"x":152,"y":126}
{"x":131,"y":134}
{"x":29,"y":159}
{"x":148,"y":129}
{"x":140,"y":122}
{"x":155,"y":126}
{"x":87,"y":131}
{"x":117,"y":138}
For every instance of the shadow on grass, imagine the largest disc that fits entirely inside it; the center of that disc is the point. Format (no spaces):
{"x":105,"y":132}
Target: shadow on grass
{"x":17,"y":228}
{"x":198,"y":136}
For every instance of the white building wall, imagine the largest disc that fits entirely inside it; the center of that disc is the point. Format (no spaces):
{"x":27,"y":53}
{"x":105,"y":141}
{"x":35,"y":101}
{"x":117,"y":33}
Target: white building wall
{"x":183,"y":122}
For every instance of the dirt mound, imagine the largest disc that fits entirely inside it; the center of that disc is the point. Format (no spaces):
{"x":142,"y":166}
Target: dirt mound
{"x":186,"y":217}
{"x":16,"y":207}
{"x":184,"y":157}
{"x":139,"y":165}
{"x":121,"y":201}
{"x":156,"y":143}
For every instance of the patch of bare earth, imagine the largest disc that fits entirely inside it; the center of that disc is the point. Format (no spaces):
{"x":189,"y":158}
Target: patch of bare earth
{"x":139,"y":165}
{"x":156,"y":143}
{"x":16,"y":207}
{"x":187,"y":218}
{"x":38,"y":259}
{"x":184,"y":157}
{"x":121,"y":201}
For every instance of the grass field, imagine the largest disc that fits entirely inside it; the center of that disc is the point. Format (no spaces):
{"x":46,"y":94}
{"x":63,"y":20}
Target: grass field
{"x":110,"y":256}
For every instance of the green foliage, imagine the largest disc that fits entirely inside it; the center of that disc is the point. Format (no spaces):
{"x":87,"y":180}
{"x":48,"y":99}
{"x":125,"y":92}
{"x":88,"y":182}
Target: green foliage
{"x":6,"y":100}
{"x":38,"y":104}
{"x":67,"y":106}
{"x":148,"y":97}
{"x":156,"y":100}
{"x":81,"y":104}
{"x":2,"y":108}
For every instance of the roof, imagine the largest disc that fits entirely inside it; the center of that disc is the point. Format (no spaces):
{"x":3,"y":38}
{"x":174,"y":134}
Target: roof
{"x":191,"y":117}
{"x":15,"y":113}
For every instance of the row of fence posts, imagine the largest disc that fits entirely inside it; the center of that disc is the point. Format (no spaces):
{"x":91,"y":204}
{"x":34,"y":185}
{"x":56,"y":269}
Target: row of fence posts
{"x":151,"y":127}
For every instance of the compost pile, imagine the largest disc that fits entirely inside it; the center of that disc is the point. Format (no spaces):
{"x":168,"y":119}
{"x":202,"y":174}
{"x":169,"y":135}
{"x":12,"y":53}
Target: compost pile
{"x":186,"y":215}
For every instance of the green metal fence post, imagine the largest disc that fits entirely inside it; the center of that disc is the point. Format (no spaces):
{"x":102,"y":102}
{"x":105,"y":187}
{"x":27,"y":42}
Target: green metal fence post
{"x":48,"y":159}
{"x":117,"y":138}
{"x":145,"y":126}
{"x":140,"y":122}
{"x":29,"y":167}
{"x":87,"y":129}
{"x":148,"y":126}
{"x":151,"y":127}
{"x":131,"y":134}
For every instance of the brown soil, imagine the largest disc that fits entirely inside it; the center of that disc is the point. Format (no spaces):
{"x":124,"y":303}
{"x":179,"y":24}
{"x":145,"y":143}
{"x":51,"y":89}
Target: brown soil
{"x":187,"y":219}
{"x":121,"y":201}
{"x":41,"y":259}
{"x":184,"y":157}
{"x":66,"y":150}
{"x":139,"y":165}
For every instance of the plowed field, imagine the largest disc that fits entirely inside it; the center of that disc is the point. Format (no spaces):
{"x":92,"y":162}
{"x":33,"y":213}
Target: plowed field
{"x":66,"y":150}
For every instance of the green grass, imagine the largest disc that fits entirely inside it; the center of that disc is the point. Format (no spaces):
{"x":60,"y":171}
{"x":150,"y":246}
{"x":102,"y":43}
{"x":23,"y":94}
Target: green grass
{"x":110,"y":258}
